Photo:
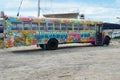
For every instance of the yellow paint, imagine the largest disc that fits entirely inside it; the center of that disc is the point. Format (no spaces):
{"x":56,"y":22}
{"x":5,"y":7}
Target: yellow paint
{"x":83,"y":39}
{"x":28,"y":41}
{"x":69,"y":40}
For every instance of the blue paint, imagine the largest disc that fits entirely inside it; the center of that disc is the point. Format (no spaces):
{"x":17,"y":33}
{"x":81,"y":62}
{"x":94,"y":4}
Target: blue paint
{"x":49,"y":35}
{"x":85,"y":34}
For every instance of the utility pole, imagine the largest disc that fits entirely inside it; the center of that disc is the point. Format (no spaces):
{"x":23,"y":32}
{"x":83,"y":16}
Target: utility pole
{"x":19,"y":7}
{"x":38,"y":8}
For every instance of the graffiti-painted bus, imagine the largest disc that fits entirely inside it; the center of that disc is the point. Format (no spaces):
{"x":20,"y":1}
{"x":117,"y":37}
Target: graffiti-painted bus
{"x":49,"y":32}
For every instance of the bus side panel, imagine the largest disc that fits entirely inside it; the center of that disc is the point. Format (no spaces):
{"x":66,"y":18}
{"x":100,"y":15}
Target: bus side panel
{"x":43,"y":37}
{"x":64,"y":37}
{"x":20,"y":38}
{"x":16,"y":36}
{"x":83,"y":36}
{"x":87,"y":36}
{"x":73,"y":37}
{"x":9,"y":39}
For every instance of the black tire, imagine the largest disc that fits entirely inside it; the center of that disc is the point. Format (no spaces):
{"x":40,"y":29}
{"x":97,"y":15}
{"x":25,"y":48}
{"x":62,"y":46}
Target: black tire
{"x":93,"y":43}
{"x":107,"y":41}
{"x":43,"y":46}
{"x":52,"y":44}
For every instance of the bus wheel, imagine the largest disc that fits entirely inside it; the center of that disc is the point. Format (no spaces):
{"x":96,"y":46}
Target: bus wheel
{"x":52,"y":44}
{"x":107,"y":40}
{"x":43,"y":46}
{"x":93,"y":43}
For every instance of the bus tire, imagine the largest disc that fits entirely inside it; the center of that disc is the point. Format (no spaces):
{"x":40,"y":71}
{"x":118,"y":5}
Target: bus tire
{"x":107,"y":40}
{"x":93,"y":43}
{"x":43,"y":46}
{"x":52,"y":44}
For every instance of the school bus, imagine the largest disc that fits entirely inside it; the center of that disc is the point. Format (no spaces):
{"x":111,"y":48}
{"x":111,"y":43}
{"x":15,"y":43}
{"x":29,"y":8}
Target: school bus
{"x":49,"y":32}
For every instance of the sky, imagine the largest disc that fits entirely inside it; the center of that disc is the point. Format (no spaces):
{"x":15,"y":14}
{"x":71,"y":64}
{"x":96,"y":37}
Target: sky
{"x":103,"y":10}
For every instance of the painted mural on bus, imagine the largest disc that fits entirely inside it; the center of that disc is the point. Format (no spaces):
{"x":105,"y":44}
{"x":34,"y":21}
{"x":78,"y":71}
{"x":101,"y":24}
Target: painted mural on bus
{"x":49,"y":32}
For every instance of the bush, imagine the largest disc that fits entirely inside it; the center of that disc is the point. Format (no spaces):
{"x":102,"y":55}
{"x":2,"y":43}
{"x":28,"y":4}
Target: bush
{"x":117,"y":37}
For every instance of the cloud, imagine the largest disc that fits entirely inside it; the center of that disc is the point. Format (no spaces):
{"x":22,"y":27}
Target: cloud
{"x":25,"y":4}
{"x":29,"y":5}
{"x":29,"y":8}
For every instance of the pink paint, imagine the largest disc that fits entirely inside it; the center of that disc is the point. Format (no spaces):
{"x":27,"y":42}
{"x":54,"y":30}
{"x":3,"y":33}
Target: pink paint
{"x":25,"y":19}
{"x":74,"y":36}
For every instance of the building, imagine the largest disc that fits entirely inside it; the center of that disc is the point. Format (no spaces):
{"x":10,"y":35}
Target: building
{"x":62,"y":15}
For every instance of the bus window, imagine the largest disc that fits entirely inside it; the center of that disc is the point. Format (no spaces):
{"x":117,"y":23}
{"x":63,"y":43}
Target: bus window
{"x":63,"y":27}
{"x":50,"y":26}
{"x":69,"y":26}
{"x":92,"y":27}
{"x":1,"y":31}
{"x":80,"y":26}
{"x":34,"y":26}
{"x":75,"y":27}
{"x":1,"y":28}
{"x":16,"y":26}
{"x":27,"y":26}
{"x":86,"y":27}
{"x":57,"y":26}
{"x":42,"y":26}
{"x":99,"y":28}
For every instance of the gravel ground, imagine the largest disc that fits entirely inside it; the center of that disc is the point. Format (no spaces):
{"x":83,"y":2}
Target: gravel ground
{"x":69,"y":62}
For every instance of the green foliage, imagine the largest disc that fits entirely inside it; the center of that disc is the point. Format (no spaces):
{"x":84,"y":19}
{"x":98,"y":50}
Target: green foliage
{"x":118,"y":37}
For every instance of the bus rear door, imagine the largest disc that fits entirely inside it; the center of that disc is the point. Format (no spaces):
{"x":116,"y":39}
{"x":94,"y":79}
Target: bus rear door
{"x":99,"y":34}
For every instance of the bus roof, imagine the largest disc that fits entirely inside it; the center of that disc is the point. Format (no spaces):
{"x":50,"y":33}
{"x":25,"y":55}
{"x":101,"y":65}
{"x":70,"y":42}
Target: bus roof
{"x":51,"y":20}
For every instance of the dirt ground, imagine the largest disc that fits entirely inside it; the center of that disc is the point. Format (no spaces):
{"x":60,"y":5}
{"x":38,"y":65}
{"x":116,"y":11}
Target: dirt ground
{"x":69,"y":62}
